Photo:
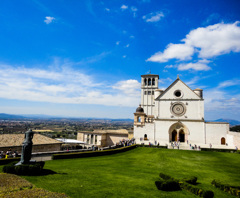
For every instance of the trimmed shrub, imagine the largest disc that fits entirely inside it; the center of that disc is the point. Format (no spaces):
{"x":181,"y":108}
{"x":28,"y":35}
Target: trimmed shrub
{"x":159,"y":184}
{"x":92,"y":153}
{"x":208,"y":194}
{"x":24,"y":169}
{"x":9,"y":160}
{"x":191,"y":180}
{"x":170,"y":185}
{"x":234,"y":190}
{"x":195,"y":190}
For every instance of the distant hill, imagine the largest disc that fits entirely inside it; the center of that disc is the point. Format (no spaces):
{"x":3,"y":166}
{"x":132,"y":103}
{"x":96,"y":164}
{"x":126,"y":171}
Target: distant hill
{"x":4,"y":116}
{"x":231,"y":122}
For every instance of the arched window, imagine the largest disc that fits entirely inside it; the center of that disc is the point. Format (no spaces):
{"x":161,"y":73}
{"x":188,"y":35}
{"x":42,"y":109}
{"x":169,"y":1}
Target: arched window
{"x":223,"y":141}
{"x":145,"y":81}
{"x":138,"y":119}
{"x":181,"y":136}
{"x":153,"y":81}
{"x":145,"y":136}
{"x":149,"y":81}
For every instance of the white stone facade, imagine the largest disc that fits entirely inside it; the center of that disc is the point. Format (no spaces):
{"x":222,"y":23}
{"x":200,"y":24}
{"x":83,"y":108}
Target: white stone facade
{"x":176,"y":114}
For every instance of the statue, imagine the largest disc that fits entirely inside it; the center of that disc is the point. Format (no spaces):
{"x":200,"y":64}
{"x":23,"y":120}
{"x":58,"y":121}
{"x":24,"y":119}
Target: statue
{"x":26,"y":148}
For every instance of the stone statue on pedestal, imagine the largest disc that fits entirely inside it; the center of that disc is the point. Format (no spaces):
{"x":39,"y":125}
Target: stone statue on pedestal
{"x":26,"y":148}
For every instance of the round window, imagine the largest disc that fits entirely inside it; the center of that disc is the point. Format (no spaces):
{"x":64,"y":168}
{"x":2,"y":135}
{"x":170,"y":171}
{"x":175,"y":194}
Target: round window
{"x":178,"y":109}
{"x":178,"y":93}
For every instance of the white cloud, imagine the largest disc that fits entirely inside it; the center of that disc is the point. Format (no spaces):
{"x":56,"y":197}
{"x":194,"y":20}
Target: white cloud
{"x":118,"y":42}
{"x":129,"y":87}
{"x":198,"y":66}
{"x":124,"y":56}
{"x":229,"y":83}
{"x":124,"y":7}
{"x":127,"y":45}
{"x":64,"y":86}
{"x":178,"y":51}
{"x":107,"y":9}
{"x":134,"y":9}
{"x":213,"y":40}
{"x":49,"y":19}
{"x":153,"y":17}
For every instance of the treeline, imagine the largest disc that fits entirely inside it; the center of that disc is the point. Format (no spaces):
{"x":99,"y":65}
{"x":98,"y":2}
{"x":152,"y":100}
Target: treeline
{"x":235,"y":128}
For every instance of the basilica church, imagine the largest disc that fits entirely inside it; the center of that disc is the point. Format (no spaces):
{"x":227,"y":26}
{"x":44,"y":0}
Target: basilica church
{"x":176,"y":114}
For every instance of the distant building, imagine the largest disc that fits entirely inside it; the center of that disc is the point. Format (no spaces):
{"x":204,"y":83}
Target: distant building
{"x":41,"y":143}
{"x":177,"y":114}
{"x":104,"y":137}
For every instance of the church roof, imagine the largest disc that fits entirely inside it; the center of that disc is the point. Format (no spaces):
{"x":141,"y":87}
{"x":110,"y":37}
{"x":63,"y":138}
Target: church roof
{"x":175,"y":82}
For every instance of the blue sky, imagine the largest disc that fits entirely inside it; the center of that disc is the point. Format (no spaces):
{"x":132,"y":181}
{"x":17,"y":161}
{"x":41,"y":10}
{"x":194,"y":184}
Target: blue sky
{"x":85,"y":58}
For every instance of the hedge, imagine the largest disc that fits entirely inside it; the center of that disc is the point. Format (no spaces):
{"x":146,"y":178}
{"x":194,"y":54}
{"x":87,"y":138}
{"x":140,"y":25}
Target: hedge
{"x":24,"y":169}
{"x":186,"y":184}
{"x":153,"y":146}
{"x":219,"y":150}
{"x":4,"y":161}
{"x":92,"y":153}
{"x":233,"y":190}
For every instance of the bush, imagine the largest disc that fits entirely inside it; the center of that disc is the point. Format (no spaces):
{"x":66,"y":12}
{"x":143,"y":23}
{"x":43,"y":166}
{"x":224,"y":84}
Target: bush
{"x":208,"y":194}
{"x":9,"y":160}
{"x":92,"y":153}
{"x":170,"y":185}
{"x":24,"y":169}
{"x":234,"y":190}
{"x":191,"y":180}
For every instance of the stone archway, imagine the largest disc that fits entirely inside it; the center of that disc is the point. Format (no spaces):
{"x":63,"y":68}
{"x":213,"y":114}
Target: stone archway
{"x":178,"y":132}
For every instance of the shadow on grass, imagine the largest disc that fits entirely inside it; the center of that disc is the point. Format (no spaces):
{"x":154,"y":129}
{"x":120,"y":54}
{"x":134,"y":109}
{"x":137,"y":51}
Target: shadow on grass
{"x":45,"y":172}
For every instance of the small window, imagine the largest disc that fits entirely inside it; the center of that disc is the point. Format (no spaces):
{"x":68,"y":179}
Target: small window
{"x":145,"y":137}
{"x":145,"y":92}
{"x":152,"y":92}
{"x":153,"y":81}
{"x":145,"y":81}
{"x":149,"y":92}
{"x":149,"y":81}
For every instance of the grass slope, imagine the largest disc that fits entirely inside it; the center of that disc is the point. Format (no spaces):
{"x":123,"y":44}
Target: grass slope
{"x":133,"y":173}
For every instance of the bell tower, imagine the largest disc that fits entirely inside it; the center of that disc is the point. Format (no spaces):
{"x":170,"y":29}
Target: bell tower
{"x":149,"y":83}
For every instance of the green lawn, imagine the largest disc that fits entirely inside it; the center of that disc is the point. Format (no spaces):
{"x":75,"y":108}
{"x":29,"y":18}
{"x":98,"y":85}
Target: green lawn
{"x":133,"y":173}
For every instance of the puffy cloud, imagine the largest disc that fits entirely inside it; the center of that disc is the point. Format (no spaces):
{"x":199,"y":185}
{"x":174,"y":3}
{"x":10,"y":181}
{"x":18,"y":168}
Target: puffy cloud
{"x":49,"y":19}
{"x":129,"y":87}
{"x":198,"y":66}
{"x":64,"y":85}
{"x":215,"y":39}
{"x":124,"y":7}
{"x":178,"y":51}
{"x":207,"y":42}
{"x":153,"y":17}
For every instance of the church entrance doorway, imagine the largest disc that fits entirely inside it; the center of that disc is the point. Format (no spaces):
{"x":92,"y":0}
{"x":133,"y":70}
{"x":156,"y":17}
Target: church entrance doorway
{"x":181,"y":136}
{"x":178,"y":132}
{"x":174,"y":136}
